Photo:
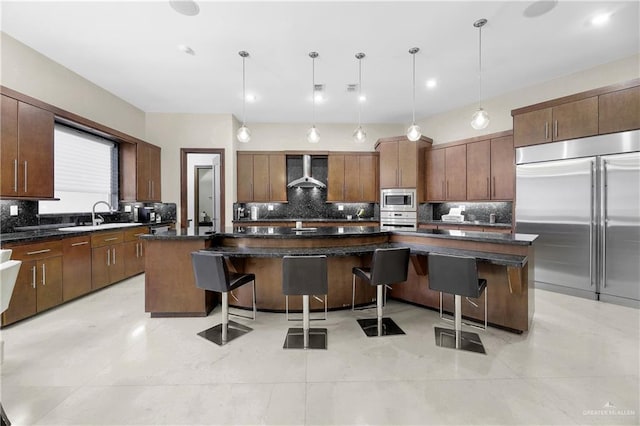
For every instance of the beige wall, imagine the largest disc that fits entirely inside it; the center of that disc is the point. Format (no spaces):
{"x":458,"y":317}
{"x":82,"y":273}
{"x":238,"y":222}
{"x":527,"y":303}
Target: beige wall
{"x":31,"y":73}
{"x":454,"y":125}
{"x":174,"y":131}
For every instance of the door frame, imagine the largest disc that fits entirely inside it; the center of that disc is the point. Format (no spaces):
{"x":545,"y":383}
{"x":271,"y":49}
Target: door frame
{"x":183,"y":181}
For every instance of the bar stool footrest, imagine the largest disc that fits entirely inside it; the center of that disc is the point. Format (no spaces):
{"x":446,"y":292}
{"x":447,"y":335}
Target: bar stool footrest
{"x":234,"y":330}
{"x":370,"y":327}
{"x":446,"y":338}
{"x":295,"y":338}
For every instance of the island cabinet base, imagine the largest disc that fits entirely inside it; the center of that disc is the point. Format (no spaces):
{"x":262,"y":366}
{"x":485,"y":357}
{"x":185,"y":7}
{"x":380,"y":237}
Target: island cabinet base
{"x":510,"y":302}
{"x":269,"y":297}
{"x":170,"y":288}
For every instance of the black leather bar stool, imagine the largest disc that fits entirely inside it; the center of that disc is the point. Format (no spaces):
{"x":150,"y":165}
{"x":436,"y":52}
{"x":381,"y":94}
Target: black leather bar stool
{"x":388,"y":266}
{"x":457,"y":275}
{"x":212,"y":274}
{"x":305,"y":276}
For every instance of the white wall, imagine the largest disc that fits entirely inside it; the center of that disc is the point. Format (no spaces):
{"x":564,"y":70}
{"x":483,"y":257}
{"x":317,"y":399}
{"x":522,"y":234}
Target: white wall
{"x":33,"y":74}
{"x":454,"y":125}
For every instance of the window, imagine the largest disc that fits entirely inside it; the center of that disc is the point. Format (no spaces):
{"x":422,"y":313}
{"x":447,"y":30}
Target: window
{"x":85,"y":171}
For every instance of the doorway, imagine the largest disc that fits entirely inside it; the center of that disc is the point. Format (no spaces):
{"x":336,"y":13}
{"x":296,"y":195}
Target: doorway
{"x":202,"y":188}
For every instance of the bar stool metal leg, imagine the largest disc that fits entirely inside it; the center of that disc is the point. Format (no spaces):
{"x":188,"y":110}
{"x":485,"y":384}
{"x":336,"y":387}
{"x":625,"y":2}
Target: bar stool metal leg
{"x":306,"y":337}
{"x":226,"y":331}
{"x":379,"y":326}
{"x":456,"y":338}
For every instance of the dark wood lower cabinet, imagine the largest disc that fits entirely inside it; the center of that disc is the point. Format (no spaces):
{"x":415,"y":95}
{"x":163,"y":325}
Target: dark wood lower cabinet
{"x":76,"y":267}
{"x":107,"y":265}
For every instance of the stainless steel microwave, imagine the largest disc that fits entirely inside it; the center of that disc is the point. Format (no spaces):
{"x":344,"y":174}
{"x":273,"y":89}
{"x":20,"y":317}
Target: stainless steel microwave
{"x":398,"y":199}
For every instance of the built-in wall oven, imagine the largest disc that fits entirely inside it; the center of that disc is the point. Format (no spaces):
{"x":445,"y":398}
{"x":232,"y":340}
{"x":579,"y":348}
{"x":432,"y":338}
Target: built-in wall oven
{"x":398,"y":209}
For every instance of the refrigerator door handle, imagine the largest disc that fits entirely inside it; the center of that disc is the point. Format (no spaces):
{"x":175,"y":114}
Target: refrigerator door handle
{"x":603,"y":224}
{"x":592,"y":224}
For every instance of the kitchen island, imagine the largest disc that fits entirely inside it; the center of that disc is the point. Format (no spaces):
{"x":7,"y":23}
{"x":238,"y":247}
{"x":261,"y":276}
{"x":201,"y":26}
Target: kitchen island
{"x":505,"y":260}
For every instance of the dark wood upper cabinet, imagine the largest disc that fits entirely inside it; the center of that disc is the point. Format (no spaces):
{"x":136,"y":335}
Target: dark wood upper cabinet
{"x":435,"y":184}
{"x":352,"y":177}
{"x":619,"y":111}
{"x":455,"y":160}
{"x":26,"y":146}
{"x":479,"y":170}
{"x":609,"y":109}
{"x":140,"y":172}
{"x":261,"y":177}
{"x":503,"y":168}
{"x":402,"y":163}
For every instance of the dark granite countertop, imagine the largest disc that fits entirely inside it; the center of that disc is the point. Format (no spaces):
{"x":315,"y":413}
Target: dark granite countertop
{"x":416,"y":249}
{"x":320,"y":220}
{"x":465,"y":223}
{"x":47,"y":232}
{"x":277,"y":232}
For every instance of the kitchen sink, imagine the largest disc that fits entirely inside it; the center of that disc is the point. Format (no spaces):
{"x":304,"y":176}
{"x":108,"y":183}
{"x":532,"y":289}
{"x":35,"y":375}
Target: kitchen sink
{"x":99,"y":227}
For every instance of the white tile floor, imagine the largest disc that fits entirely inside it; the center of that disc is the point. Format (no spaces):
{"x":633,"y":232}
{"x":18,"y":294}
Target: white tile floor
{"x":102,"y":360}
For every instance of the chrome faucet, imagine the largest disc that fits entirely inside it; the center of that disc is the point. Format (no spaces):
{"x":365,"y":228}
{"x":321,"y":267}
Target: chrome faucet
{"x":93,"y":211}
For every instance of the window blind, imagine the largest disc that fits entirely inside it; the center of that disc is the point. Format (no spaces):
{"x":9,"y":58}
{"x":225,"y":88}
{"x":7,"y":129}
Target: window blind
{"x":85,"y":171}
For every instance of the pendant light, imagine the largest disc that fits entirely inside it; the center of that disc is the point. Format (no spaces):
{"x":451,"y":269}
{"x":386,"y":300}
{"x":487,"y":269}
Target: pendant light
{"x":480,"y":119}
{"x":244,"y":134}
{"x":359,"y":135}
{"x":313,"y":135}
{"x":413,"y":132}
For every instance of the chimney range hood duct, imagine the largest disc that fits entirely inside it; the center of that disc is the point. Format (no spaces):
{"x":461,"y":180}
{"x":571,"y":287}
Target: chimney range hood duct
{"x":306,"y":181}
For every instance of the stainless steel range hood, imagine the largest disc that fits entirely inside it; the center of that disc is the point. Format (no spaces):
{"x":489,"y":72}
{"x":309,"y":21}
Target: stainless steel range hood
{"x":306,"y":181}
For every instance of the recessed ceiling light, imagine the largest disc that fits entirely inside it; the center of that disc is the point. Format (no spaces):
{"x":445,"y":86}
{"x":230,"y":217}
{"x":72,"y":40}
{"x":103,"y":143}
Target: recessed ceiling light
{"x":250,"y":97}
{"x":185,"y":7}
{"x":431,"y":83}
{"x":186,"y":49}
{"x":600,"y":19}
{"x":362,"y":97}
{"x":319,"y":97}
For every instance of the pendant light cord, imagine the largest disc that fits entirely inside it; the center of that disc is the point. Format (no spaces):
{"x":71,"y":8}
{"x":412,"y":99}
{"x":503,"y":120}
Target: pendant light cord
{"x":480,"y":66}
{"x":244,"y":96}
{"x":359,"y":91}
{"x":313,"y":89}
{"x":414,"y":87}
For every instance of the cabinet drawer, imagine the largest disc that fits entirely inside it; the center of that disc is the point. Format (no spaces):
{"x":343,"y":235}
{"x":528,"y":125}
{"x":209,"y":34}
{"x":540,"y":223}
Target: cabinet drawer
{"x":106,"y":238}
{"x":37,"y":251}
{"x":132,"y":234}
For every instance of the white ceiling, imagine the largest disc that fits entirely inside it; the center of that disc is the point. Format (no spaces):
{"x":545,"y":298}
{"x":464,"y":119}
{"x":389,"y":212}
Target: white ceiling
{"x":130,"y":49}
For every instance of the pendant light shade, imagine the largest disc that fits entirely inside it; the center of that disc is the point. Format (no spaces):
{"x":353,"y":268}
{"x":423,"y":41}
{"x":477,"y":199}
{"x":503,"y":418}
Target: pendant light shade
{"x":243,"y":134}
{"x":359,"y":135}
{"x":313,"y":135}
{"x":480,"y":119}
{"x":413,"y":132}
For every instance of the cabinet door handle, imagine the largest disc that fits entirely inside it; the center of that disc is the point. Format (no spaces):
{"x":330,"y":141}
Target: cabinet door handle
{"x":447,"y":192}
{"x":33,"y":277}
{"x":546,"y":130}
{"x":38,"y":252}
{"x":153,"y":189}
{"x":137,"y":251}
{"x":79,"y":244}
{"x":110,"y":239}
{"x":555,"y":128}
{"x":15,"y":175}
{"x":141,"y":254}
{"x":488,"y":187}
{"x":44,"y":274}
{"x":114,"y":256}
{"x":108,"y":257}
{"x":251,"y":187}
{"x":25,"y":176}
{"x":400,"y":180}
{"x":494,"y":186}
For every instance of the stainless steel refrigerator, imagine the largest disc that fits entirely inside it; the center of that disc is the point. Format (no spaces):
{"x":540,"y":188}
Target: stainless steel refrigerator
{"x":582,"y":197}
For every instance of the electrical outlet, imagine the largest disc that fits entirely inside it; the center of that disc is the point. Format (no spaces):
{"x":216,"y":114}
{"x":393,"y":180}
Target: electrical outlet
{"x":127,"y":208}
{"x":13,"y":210}
{"x":270,"y":207}
{"x":340,"y":207}
{"x":463,"y":208}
